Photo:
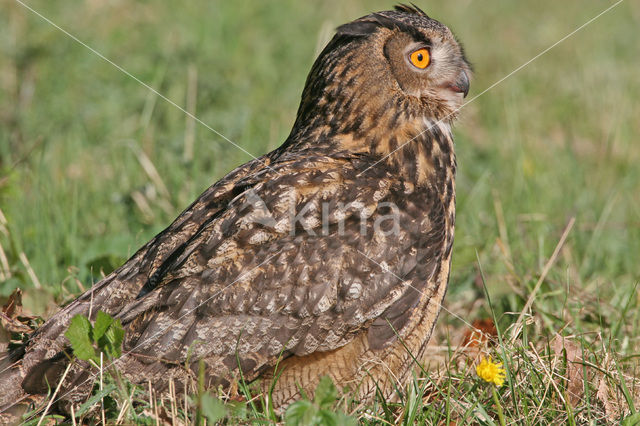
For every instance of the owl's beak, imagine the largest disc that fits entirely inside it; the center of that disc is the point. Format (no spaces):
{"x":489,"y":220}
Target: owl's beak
{"x":461,"y":85}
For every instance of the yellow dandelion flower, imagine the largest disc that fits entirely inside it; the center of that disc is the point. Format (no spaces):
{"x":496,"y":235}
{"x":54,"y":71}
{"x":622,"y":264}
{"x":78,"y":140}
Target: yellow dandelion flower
{"x":491,"y":372}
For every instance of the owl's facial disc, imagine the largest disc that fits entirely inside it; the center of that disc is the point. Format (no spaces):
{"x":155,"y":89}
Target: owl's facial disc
{"x":446,"y":75}
{"x":429,"y":66}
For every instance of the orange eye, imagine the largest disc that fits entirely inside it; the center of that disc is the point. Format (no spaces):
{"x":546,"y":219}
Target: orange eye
{"x":420,"y":58}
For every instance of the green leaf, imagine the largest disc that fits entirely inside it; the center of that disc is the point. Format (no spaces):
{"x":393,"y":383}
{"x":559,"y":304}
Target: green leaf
{"x":237,"y":409}
{"x":212,"y":408}
{"x":344,"y":420}
{"x":111,"y":342}
{"x":326,"y":418}
{"x":300,"y":413}
{"x":95,"y":399}
{"x":326,"y":393}
{"x":80,"y":336}
{"x":632,"y":420}
{"x":334,"y":418}
{"x":103,"y":322}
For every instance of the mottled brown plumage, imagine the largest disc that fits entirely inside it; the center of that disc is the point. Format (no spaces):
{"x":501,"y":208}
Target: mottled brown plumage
{"x":234,"y":282}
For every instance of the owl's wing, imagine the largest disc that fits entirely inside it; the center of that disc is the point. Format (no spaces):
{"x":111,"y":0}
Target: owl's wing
{"x":289,"y":267}
{"x":123,"y":285}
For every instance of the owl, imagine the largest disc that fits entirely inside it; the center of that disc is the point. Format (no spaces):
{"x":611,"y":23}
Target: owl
{"x":327,"y":256}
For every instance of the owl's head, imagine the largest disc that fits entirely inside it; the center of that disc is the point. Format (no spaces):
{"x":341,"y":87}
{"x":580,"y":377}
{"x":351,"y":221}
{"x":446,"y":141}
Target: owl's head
{"x":391,"y":65}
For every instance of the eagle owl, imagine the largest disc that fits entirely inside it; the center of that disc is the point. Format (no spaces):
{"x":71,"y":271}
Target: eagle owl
{"x":328,"y":256}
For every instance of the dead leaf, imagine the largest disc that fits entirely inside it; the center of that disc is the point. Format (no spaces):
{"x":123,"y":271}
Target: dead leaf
{"x":159,"y":414}
{"x":610,"y":409}
{"x":10,"y":315}
{"x":575,"y":382}
{"x":13,"y":307}
{"x":14,"y":326}
{"x":483,"y":332}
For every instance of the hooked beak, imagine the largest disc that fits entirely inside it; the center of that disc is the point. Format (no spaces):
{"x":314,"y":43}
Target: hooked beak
{"x":461,"y":85}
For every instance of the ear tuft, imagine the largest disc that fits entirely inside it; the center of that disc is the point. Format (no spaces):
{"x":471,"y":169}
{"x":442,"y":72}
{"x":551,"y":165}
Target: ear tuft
{"x":359,"y":28}
{"x":371,"y":23}
{"x":410,"y":9}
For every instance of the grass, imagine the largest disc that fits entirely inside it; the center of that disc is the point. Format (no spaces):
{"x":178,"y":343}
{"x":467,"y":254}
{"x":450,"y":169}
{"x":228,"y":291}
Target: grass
{"x":92,"y":165}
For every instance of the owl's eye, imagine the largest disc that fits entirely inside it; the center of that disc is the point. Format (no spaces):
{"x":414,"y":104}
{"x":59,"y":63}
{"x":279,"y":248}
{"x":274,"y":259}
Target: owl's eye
{"x":420,"y":58}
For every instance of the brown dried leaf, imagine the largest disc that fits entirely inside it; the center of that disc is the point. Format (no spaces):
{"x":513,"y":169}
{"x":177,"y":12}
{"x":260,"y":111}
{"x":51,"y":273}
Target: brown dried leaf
{"x":611,"y":411}
{"x":482,"y":333}
{"x":13,"y":323}
{"x":10,"y":315}
{"x":575,"y":382}
{"x":13,"y":307}
{"x":159,"y":414}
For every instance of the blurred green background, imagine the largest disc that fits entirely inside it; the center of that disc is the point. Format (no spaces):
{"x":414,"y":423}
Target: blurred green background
{"x":93,"y":164}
